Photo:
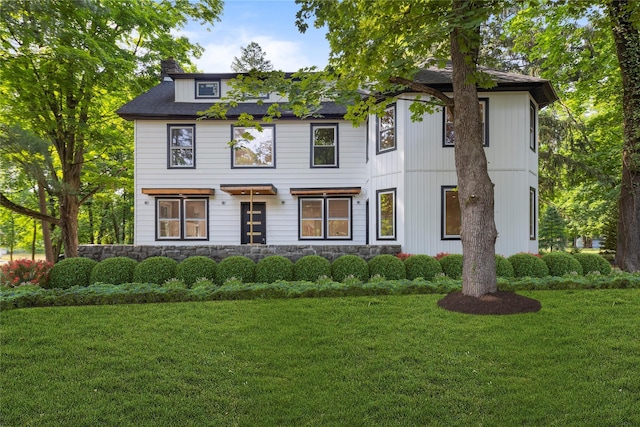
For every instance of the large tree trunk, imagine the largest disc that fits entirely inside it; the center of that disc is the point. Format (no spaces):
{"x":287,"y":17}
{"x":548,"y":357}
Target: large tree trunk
{"x":627,"y":39}
{"x":69,"y":208}
{"x":475,"y":189}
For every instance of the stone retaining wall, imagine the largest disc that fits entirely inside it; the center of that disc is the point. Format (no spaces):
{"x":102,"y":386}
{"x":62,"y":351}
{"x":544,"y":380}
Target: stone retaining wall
{"x":219,"y":252}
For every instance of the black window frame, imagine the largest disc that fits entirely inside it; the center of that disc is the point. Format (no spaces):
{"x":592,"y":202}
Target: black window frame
{"x":485,"y":101}
{"x":208,"y":81}
{"x":443,"y":213}
{"x":171,"y":126}
{"x":533,"y":127}
{"x":325,"y":218}
{"x":395,"y":129}
{"x":395,"y":214}
{"x":336,"y":155}
{"x":181,"y":219}
{"x":273,"y":151}
{"x":533,"y":217}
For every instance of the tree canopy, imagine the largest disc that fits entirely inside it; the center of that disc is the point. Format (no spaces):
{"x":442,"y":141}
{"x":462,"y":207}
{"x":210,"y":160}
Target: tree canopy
{"x":252,"y":58}
{"x":66,"y":67}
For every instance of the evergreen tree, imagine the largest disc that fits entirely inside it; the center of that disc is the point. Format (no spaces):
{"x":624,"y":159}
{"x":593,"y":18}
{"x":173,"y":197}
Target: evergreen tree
{"x":553,"y":230}
{"x":253,"y":58}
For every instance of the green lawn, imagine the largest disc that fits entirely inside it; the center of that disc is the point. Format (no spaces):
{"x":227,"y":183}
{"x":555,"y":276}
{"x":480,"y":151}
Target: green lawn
{"x":357,"y":361}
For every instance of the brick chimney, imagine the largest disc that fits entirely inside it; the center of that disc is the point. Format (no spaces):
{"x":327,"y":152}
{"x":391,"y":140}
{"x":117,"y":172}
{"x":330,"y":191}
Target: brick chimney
{"x":169,"y":65}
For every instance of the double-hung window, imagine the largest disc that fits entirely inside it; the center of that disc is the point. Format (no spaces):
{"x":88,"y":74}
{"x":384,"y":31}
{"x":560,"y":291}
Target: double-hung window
{"x":327,"y":218}
{"x":387,"y":130}
{"x":182,"y":219}
{"x":448,"y":138}
{"x":451,"y":214}
{"x":386,"y":214}
{"x":181,"y":146}
{"x":253,"y":147}
{"x":324,"y":145}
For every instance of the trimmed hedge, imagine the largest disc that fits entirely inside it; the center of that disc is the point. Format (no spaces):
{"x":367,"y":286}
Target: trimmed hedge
{"x":592,"y":263}
{"x":349,"y":265}
{"x":528,"y":265}
{"x":503,"y":267}
{"x":116,"y":271}
{"x":311,"y":267}
{"x":561,"y":263}
{"x":157,"y":269}
{"x":196,"y":267}
{"x":274,"y":268}
{"x":388,"y":266}
{"x":71,"y":272}
{"x":422,"y":266}
{"x":238,"y":266}
{"x":452,"y":265}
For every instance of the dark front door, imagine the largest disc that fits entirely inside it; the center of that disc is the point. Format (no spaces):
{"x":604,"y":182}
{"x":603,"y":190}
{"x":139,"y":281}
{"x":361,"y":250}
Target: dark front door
{"x":256,"y":217}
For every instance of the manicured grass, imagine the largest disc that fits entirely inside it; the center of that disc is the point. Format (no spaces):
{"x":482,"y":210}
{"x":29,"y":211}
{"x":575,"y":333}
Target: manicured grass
{"x":357,"y":361}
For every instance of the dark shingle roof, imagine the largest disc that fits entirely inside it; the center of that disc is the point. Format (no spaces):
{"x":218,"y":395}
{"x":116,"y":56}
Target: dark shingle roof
{"x":540,"y":89}
{"x":159,"y":102}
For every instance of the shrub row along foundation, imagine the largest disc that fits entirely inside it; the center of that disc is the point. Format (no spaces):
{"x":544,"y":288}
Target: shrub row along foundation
{"x":220,"y":252}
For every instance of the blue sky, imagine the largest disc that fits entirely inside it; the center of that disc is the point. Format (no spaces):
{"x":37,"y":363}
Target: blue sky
{"x":270,"y":23}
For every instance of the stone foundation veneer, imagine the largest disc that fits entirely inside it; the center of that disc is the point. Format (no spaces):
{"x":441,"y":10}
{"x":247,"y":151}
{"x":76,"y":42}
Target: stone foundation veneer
{"x":220,"y":252}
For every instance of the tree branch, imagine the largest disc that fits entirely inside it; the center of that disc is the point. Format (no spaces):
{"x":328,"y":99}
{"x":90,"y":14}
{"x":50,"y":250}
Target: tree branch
{"x":422,"y":88}
{"x":6,"y":203}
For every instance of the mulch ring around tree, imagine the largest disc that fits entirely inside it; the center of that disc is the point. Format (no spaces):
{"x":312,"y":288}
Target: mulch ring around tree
{"x":494,"y":303}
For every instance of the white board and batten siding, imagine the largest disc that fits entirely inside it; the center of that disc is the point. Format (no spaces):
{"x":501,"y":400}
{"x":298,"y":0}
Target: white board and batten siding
{"x":213,"y":168}
{"x":185,"y":90}
{"x":421,"y":166}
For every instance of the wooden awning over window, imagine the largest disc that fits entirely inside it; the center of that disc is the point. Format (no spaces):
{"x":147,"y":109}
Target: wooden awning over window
{"x":178,"y":191}
{"x":247,"y":189}
{"x":330,"y":191}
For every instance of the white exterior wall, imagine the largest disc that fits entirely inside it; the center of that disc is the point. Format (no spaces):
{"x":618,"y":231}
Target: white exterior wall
{"x":186,"y":92}
{"x":213,"y":168}
{"x":417,"y":169}
{"x":421,"y":166}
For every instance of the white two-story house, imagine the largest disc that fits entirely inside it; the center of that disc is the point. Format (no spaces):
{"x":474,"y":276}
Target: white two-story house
{"x":322,"y":180}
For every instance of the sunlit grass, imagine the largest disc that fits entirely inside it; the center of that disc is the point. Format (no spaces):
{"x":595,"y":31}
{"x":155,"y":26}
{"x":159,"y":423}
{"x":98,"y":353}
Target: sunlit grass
{"x":359,"y":361}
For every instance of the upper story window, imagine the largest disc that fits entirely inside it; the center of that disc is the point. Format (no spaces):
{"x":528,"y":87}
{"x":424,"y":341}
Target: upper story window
{"x":207,"y":88}
{"x":324,"y":145}
{"x":448,"y":139}
{"x":451,"y":214}
{"x":532,"y":127}
{"x":387,"y":130}
{"x":386,"y":214}
{"x":325,"y":218}
{"x":252,"y":147}
{"x":181,"y":219}
{"x":181,"y":146}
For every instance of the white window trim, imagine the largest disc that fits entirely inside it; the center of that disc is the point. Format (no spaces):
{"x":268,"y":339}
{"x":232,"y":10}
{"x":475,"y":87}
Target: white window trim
{"x":207,"y":82}
{"x":379,"y":194}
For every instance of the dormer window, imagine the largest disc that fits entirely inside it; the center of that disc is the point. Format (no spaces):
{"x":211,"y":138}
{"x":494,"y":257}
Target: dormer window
{"x":208,"y":89}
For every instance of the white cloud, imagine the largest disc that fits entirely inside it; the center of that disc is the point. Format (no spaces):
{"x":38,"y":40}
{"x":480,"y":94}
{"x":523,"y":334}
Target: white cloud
{"x":285,"y":55}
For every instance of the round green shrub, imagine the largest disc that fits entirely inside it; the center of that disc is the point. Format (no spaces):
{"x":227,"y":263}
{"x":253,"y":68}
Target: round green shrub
{"x":452,"y":266}
{"x":503,"y":267}
{"x":561,"y":263}
{"x":528,"y":265}
{"x":592,"y":263}
{"x":311,"y":267}
{"x":349,"y":265}
{"x":388,"y":266}
{"x":274,"y":268}
{"x":72,"y":272}
{"x":114,"y":271}
{"x":157,"y":269}
{"x":422,"y":266}
{"x":238,"y":266}
{"x":196,"y":267}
